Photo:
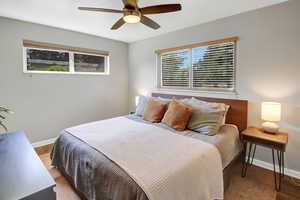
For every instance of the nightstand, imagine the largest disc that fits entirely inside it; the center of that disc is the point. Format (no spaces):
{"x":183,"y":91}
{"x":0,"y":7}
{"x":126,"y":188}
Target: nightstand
{"x":276,"y":142}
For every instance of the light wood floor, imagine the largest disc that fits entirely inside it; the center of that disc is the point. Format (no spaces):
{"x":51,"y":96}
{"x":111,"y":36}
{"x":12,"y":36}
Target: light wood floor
{"x":258,"y":185}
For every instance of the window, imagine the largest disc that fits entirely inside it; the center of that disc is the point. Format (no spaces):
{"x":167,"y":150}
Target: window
{"x":46,"y":60}
{"x":89,"y":63}
{"x":175,"y":69}
{"x":206,"y":66}
{"x":49,"y":58}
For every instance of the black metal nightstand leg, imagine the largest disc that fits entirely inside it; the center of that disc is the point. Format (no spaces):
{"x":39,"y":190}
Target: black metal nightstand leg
{"x":253,"y":154}
{"x":280,"y":157}
{"x":246,"y":160}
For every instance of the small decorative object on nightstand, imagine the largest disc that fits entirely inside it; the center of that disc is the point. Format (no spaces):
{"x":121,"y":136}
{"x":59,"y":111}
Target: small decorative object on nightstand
{"x":270,"y":112}
{"x":277,"y":142}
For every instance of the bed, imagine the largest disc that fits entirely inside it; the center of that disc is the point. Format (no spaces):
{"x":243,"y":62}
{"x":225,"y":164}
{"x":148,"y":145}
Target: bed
{"x":95,"y":176}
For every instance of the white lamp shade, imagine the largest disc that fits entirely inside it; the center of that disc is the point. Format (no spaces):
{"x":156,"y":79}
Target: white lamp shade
{"x":271,"y":111}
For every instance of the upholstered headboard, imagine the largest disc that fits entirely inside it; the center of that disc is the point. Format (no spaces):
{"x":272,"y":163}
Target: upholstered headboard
{"x":237,"y":113}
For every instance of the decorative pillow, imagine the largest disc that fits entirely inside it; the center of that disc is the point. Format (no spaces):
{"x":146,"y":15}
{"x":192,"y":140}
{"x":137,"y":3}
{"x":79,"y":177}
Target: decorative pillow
{"x":164,"y":100}
{"x":155,"y":111}
{"x":207,"y":117}
{"x":213,"y":104}
{"x":143,"y":102}
{"x":227,"y":107}
{"x":177,"y":115}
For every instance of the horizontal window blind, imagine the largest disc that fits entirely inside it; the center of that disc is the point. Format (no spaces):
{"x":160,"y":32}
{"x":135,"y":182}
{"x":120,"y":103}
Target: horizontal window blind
{"x":213,"y":66}
{"x":175,"y":69}
{"x":209,"y":66}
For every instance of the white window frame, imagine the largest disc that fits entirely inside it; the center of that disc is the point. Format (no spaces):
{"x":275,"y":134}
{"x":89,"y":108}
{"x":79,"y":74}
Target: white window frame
{"x":71,"y":63}
{"x":191,"y":88}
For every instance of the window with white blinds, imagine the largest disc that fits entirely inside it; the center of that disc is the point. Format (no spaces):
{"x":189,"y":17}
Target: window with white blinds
{"x":210,"y":67}
{"x":175,"y":69}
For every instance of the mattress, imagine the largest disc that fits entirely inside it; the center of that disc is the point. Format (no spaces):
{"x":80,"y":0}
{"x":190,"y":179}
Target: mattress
{"x":97,"y":177}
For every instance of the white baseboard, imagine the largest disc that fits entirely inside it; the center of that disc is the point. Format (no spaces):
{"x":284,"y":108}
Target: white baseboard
{"x":269,"y":166}
{"x":43,"y":143}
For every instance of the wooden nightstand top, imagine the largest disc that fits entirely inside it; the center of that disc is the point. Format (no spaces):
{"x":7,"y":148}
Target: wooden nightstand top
{"x":280,"y":137}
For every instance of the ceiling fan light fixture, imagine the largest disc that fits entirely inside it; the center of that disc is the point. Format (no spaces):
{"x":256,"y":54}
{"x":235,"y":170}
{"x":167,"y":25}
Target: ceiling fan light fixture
{"x":132,"y":17}
{"x":132,"y":13}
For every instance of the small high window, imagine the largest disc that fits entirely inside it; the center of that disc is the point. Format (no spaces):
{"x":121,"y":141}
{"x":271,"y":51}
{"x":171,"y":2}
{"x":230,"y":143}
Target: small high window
{"x":50,"y":58}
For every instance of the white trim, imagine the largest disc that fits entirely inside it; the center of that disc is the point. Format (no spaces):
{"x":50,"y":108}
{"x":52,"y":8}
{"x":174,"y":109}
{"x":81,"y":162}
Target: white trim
{"x":70,"y":73}
{"x":43,"y":142}
{"x":193,"y":92}
{"x":71,"y":62}
{"x":269,"y":166}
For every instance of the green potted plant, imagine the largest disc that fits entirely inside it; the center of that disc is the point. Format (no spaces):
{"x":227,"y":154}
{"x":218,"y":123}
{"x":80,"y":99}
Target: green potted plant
{"x":3,"y":112}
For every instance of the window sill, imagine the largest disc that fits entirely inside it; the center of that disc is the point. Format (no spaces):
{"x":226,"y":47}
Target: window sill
{"x":66,"y":73}
{"x":195,"y":92}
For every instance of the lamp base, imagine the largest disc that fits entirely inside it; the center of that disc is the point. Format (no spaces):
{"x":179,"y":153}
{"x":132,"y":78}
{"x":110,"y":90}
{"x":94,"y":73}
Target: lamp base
{"x":270,"y":127}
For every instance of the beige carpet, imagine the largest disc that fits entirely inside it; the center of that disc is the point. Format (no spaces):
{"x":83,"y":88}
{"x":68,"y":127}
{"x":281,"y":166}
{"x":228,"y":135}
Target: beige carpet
{"x":258,"y":185}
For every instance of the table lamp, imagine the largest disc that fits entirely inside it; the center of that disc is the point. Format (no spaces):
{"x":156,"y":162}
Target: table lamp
{"x":270,"y":113}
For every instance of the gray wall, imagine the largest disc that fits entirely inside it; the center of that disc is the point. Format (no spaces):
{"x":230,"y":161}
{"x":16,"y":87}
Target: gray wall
{"x":46,"y":104}
{"x":268,"y":64}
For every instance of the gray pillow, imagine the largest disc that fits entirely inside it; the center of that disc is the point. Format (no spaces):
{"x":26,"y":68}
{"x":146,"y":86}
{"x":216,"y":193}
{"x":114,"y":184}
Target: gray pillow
{"x":207,"y":117}
{"x":164,"y":100}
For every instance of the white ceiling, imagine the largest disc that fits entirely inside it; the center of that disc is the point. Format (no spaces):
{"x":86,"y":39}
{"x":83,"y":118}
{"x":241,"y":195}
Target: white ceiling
{"x":64,"y":14}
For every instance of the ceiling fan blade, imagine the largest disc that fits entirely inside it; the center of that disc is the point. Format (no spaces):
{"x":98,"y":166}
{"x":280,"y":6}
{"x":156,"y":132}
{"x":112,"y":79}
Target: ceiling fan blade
{"x":130,"y":3}
{"x":160,"y":9}
{"x":149,"y":22}
{"x":118,"y":24}
{"x":101,"y":10}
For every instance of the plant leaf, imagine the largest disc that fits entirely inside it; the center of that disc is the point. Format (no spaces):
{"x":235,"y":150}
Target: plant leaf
{"x":3,"y":126}
{"x":5,"y":110}
{"x":2,"y":117}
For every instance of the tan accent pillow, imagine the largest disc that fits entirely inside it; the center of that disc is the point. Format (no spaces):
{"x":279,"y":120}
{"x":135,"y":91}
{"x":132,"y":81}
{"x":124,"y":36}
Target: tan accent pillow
{"x":155,"y":111}
{"x":177,"y":115}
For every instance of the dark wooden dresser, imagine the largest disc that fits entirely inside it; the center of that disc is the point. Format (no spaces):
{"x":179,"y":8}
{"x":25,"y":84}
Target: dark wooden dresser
{"x":22,"y":173}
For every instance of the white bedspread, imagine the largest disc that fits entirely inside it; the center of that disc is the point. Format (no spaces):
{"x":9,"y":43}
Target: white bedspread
{"x":165,"y":165}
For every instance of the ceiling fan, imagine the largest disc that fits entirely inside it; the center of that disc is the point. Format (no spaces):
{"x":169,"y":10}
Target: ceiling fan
{"x":133,"y":14}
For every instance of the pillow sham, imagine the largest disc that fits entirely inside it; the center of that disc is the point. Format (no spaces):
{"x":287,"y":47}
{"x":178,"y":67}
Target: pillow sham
{"x":177,"y":115}
{"x":164,"y":100}
{"x":214,"y":104}
{"x":142,"y":104}
{"x":227,"y":107}
{"x":154,"y":111}
{"x":207,"y":117}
